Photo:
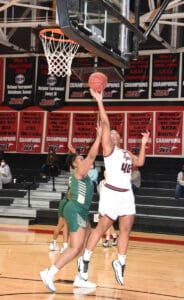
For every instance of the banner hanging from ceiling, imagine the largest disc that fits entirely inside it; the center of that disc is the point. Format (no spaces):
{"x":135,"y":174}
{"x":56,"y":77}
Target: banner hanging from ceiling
{"x":138,"y":123}
{"x":19,"y":82}
{"x":30,"y":137}
{"x":8,"y":131}
{"x":83,"y":131}
{"x":50,"y":90}
{"x":136,"y":79}
{"x":165,"y":75}
{"x":168,"y":134}
{"x":57,"y":132}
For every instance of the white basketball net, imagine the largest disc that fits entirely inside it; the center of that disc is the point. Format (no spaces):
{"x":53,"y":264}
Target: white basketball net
{"x":59,"y":53}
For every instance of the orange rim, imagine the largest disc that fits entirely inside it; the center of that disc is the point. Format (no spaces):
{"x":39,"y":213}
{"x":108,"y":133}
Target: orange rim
{"x":57,"y":31}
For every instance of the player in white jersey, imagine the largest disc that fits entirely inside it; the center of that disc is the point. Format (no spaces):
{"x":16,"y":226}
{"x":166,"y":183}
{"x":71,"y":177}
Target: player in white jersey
{"x":118,"y":167}
{"x":118,"y":198}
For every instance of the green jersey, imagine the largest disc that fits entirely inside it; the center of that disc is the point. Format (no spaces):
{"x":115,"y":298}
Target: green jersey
{"x":77,"y":209}
{"x":81,"y":192}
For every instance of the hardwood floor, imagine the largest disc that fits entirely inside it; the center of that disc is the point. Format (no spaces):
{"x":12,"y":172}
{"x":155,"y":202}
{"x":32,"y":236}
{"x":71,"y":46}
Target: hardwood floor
{"x":154,"y":269}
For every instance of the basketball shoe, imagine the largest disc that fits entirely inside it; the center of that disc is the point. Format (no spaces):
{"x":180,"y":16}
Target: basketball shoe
{"x":63,"y":248}
{"x":106,"y":244}
{"x":47,"y":280}
{"x":81,"y":283}
{"x":115,"y":241}
{"x":119,"y":271}
{"x":53,"y":247}
{"x":83,"y":268}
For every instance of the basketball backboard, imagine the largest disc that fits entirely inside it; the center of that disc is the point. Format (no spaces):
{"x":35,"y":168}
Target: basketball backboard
{"x":102,"y":27}
{"x":106,"y":28}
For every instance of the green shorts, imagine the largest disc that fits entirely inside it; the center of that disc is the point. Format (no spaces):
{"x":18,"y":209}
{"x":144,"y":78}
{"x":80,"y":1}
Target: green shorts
{"x":62,"y":204}
{"x":74,"y":217}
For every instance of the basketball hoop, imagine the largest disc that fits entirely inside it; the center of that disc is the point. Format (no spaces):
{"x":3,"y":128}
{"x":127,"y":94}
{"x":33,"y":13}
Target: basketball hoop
{"x":58,"y":50}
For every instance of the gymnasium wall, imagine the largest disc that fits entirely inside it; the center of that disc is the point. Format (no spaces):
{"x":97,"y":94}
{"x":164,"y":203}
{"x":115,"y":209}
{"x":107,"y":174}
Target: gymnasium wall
{"x":39,"y":110}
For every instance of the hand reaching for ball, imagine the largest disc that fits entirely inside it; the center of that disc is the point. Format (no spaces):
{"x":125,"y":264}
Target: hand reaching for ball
{"x":97,"y":95}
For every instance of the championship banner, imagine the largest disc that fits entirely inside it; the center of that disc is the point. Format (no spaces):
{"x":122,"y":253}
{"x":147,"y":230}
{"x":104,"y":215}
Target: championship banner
{"x":83,"y":131}
{"x":165,"y":75}
{"x":168,"y":136}
{"x":136,"y":79}
{"x":78,"y":88}
{"x":30,"y":132}
{"x":136,"y":124}
{"x":1,"y":79}
{"x":8,"y":131}
{"x":57,"y":132}
{"x":19,"y":82}
{"x":50,"y":90}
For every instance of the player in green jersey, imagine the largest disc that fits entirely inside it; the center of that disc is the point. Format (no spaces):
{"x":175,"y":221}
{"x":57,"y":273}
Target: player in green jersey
{"x":76,"y":213}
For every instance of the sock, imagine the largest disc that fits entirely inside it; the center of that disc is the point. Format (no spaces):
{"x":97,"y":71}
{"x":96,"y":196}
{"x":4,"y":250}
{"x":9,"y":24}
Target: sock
{"x":65,"y":245}
{"x":87,"y":254}
{"x":122,"y":259}
{"x":53,"y":270}
{"x":114,"y":235}
{"x":54,"y":242}
{"x":107,"y":237}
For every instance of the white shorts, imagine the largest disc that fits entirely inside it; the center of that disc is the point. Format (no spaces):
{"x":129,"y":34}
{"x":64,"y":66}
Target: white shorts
{"x":114,"y":204}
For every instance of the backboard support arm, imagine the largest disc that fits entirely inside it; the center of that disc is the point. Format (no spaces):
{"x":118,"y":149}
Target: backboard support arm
{"x":156,"y":18}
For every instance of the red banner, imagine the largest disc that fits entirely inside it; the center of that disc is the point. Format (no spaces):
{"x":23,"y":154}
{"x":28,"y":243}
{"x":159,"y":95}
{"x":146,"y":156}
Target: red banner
{"x":1,"y":79}
{"x":8,"y":131}
{"x":57,"y":131}
{"x":84,"y":131}
{"x":30,"y":132}
{"x":136,"y":124}
{"x":168,"y":136}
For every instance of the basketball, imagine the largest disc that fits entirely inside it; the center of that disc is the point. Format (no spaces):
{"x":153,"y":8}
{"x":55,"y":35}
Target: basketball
{"x":97,"y":81}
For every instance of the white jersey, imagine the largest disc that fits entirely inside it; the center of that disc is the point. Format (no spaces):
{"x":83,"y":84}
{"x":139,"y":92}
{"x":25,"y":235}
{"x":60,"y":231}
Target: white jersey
{"x":118,"y":166}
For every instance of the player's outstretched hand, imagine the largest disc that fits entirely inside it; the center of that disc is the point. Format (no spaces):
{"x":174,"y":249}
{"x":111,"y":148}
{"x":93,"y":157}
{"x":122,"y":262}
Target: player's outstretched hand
{"x":97,"y":95}
{"x":145,"y":137}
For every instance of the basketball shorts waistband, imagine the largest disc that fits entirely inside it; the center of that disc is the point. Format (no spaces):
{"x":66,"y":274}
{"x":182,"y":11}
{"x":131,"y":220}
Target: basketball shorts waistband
{"x":114,"y":188}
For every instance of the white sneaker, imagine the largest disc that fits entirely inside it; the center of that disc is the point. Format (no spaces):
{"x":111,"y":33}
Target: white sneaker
{"x":80,"y":282}
{"x":106,"y":244}
{"x":63,"y":249}
{"x":119,"y":270}
{"x":53,"y":247}
{"x":83,"y":268}
{"x":115,"y":241}
{"x":47,"y":280}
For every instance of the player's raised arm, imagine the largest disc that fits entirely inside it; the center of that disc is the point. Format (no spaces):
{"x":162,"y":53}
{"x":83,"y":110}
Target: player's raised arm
{"x":106,"y":135}
{"x":138,"y":160}
{"x":86,"y":163}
